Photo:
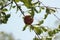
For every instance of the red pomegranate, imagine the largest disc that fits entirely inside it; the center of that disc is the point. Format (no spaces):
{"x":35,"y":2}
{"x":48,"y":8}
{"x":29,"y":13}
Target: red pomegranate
{"x":28,"y":20}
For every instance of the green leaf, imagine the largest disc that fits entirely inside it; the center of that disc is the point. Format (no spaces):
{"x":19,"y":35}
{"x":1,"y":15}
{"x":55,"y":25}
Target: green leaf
{"x":27,"y":3}
{"x":0,"y":21}
{"x":1,"y":3}
{"x":50,"y":33}
{"x":31,"y":27}
{"x":49,"y":38}
{"x":42,"y":8}
{"x":39,"y":10}
{"x":8,"y":15}
{"x":5,"y":9}
{"x":4,"y":21}
{"x":55,"y":31}
{"x":44,"y":29}
{"x":3,"y":13}
{"x":41,"y":22}
{"x":3,"y":0}
{"x":58,"y":30}
{"x":13,"y":6}
{"x":52,"y":10}
{"x":25,"y":27}
{"x":17,"y":0}
{"x":35,"y":10}
{"x":35,"y":38}
{"x":37,"y":30}
{"x":3,"y":18}
{"x":59,"y":26}
{"x":45,"y":16}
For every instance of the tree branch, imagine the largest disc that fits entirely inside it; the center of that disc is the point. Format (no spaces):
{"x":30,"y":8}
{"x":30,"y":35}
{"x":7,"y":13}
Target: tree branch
{"x":56,"y":17}
{"x":50,"y":7}
{"x":38,"y":36}
{"x":47,"y":6}
{"x":5,"y":5}
{"x":19,"y":8}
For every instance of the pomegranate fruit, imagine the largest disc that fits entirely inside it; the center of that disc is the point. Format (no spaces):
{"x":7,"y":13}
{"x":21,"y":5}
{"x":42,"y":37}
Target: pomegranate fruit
{"x":28,"y":20}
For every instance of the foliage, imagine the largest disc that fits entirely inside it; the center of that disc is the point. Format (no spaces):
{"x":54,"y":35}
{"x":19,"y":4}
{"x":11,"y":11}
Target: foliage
{"x":5,"y":36}
{"x":32,"y":9}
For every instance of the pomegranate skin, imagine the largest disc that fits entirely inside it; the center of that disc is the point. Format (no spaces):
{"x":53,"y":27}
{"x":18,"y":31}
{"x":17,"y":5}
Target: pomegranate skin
{"x":28,"y":20}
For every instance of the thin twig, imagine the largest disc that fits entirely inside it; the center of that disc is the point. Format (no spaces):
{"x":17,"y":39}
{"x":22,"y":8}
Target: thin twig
{"x":19,"y":8}
{"x":47,"y":6}
{"x":50,"y":7}
{"x":56,"y":17}
{"x":5,"y":5}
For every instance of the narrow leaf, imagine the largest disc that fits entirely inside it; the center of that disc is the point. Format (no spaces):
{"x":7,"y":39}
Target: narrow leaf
{"x":52,"y":10}
{"x":41,"y":22}
{"x":25,"y":27}
{"x":35,"y":10}
{"x":13,"y":6}
{"x":50,"y":38}
{"x":17,"y":0}
{"x":4,"y":9}
{"x":31,"y":28}
{"x":44,"y":29}
{"x":45,"y":16}
{"x":37,"y":30}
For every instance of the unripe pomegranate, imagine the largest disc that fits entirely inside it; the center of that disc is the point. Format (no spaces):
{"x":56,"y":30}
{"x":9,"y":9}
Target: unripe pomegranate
{"x":28,"y":20}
